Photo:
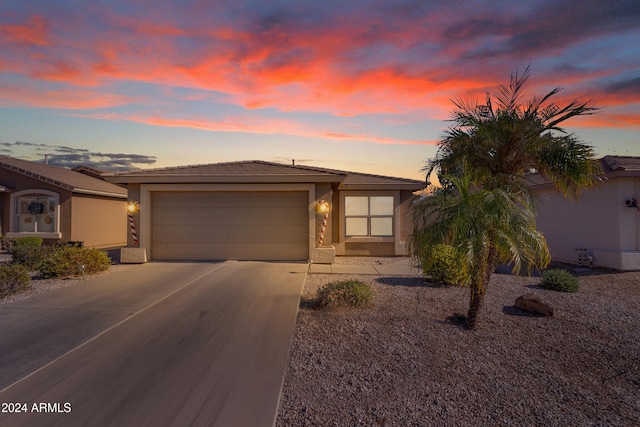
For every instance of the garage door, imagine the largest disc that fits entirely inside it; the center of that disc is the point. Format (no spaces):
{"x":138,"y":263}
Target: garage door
{"x":229,"y":225}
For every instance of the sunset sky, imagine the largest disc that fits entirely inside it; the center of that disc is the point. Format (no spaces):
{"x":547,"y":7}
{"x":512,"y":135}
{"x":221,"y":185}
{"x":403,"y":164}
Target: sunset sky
{"x":358,"y":85}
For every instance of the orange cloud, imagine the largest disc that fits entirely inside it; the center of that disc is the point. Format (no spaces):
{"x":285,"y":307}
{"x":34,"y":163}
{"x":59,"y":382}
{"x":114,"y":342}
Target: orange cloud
{"x":33,"y":32}
{"x":354,"y":64}
{"x":608,"y":120}
{"x":66,"y":99}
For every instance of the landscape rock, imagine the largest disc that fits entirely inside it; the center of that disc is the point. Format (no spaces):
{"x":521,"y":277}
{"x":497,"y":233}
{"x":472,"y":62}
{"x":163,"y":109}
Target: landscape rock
{"x":401,"y":363}
{"x":533,"y":304}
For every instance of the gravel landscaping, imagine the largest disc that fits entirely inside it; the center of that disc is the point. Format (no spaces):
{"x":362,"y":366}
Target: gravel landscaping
{"x":40,"y":286}
{"x":403,"y":362}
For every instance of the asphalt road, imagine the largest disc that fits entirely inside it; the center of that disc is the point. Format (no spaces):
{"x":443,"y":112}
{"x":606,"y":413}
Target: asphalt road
{"x":160,"y":344}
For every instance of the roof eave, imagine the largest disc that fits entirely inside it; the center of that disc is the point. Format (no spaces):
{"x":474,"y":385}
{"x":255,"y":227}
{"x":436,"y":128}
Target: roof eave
{"x":100,"y":193}
{"x":390,"y":186}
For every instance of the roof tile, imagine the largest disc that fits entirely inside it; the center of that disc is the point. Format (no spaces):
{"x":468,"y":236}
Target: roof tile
{"x":263,"y":168}
{"x":61,"y":177}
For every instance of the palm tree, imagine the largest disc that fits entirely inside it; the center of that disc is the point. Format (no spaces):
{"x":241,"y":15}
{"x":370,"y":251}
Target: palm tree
{"x":506,"y":144}
{"x":483,"y":226}
{"x":484,"y":160}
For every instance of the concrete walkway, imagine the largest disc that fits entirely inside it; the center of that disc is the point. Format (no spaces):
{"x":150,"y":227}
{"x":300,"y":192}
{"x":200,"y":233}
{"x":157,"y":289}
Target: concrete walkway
{"x":401,"y":267}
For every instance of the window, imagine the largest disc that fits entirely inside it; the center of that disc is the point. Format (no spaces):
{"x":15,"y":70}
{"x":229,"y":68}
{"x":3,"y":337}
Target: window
{"x":36,"y":214}
{"x":368,"y":216}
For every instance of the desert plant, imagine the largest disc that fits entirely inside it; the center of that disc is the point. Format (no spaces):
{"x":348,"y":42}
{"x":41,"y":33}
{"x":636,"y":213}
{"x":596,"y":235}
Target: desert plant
{"x":66,"y":261}
{"x":13,"y":277}
{"x":29,"y":252}
{"x":559,"y":280}
{"x":347,"y":293}
{"x":28,"y":241}
{"x":75,"y":244}
{"x":444,"y":264}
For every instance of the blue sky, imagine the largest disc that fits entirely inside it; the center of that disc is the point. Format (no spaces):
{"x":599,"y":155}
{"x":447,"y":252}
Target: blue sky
{"x":360,"y":85}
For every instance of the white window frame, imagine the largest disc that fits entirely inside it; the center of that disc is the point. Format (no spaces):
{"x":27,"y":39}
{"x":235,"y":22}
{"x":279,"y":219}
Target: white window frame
{"x":15,"y":217}
{"x":369,"y":217}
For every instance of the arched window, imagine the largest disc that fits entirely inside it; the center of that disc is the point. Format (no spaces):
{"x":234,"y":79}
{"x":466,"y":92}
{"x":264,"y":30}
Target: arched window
{"x":35,"y":212}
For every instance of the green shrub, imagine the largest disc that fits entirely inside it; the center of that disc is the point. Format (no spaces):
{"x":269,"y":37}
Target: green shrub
{"x":444,"y":265}
{"x":348,"y":293}
{"x":559,"y":280}
{"x":66,"y":261}
{"x":28,"y":241}
{"x":75,"y":244}
{"x":29,"y":252}
{"x":13,"y":277}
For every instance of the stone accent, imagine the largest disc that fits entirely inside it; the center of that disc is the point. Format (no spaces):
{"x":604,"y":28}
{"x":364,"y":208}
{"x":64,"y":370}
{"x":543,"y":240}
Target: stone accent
{"x":323,"y":255}
{"x":532,"y":304}
{"x":133,"y":255}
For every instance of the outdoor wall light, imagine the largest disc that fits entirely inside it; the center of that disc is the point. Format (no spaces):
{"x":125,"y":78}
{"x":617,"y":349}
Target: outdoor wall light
{"x":133,"y":206}
{"x":323,"y":207}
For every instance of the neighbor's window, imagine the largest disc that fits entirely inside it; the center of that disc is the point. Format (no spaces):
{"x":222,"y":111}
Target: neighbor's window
{"x":368,"y":216}
{"x":35,"y":214}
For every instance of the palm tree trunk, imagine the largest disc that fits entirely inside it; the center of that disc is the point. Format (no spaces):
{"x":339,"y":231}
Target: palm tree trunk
{"x":479,"y":287}
{"x":477,"y":295}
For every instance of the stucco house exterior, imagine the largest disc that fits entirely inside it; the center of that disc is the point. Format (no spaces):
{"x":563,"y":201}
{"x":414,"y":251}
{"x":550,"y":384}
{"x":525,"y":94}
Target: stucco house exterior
{"x":604,"y":223}
{"x":257,"y":210}
{"x":60,"y":205}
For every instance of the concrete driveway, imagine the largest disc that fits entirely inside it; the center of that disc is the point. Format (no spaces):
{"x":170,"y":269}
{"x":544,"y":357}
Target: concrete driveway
{"x":162,"y":344}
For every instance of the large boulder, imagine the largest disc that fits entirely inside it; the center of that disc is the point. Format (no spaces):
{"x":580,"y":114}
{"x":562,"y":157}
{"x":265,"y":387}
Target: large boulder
{"x":532,"y":304}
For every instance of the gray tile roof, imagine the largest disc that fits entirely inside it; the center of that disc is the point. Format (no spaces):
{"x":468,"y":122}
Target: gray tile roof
{"x":88,"y":170}
{"x":253,"y":167}
{"x":612,"y":167}
{"x":620,"y":163}
{"x":61,"y":177}
{"x":359,"y":178}
{"x":262,"y":169}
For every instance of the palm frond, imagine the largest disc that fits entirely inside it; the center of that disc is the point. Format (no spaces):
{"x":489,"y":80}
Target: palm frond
{"x":509,"y":97}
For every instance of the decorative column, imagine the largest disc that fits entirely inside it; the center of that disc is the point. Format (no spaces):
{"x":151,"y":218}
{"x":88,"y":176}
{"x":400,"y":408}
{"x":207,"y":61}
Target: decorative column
{"x":131,"y":208}
{"x":323,"y":208}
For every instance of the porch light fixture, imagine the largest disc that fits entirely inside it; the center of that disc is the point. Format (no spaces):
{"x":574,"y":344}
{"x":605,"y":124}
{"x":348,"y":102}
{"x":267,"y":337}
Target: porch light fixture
{"x":323,"y":207}
{"x":133,"y":206}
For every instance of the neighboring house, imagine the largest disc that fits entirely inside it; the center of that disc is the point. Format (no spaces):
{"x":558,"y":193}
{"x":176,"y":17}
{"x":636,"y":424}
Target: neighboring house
{"x":256,"y":210}
{"x":60,"y":205}
{"x":604,"y":223}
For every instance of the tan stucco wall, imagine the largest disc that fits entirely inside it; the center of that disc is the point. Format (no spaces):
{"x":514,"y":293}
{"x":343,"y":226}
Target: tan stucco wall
{"x":99,"y":222}
{"x":600,"y":222}
{"x":369,"y":249}
{"x":406,"y":222}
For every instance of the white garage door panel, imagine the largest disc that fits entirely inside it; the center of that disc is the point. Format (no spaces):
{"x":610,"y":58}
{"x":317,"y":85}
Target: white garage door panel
{"x":229,"y":225}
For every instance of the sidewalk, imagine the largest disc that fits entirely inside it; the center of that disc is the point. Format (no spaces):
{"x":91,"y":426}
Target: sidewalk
{"x":403,"y":267}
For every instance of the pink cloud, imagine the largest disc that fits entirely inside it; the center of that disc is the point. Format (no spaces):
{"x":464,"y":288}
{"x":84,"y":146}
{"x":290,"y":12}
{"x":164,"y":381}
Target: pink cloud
{"x":270,"y":127}
{"x":34,"y":31}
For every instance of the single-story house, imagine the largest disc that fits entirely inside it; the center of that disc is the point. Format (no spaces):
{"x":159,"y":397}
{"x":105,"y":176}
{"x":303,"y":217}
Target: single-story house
{"x":603,"y":227}
{"x":257,"y":210}
{"x":60,"y":205}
